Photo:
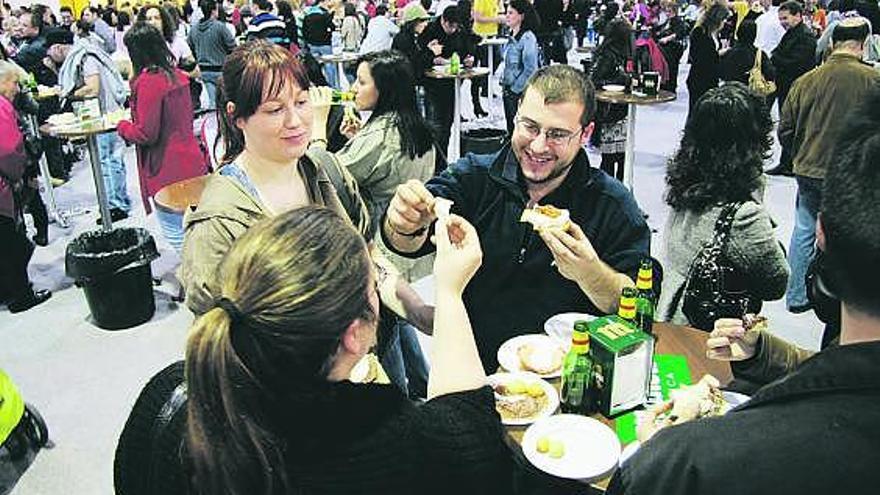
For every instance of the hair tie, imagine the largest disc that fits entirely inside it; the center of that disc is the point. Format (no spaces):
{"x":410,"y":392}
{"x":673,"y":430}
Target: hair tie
{"x":231,"y":309}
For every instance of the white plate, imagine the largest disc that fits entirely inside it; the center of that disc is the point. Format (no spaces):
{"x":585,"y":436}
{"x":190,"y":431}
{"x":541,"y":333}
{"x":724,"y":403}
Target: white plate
{"x":509,"y":360}
{"x":591,"y":448}
{"x":734,"y":398}
{"x":614,"y":88}
{"x":560,"y":327}
{"x":441,"y":68}
{"x":525,"y":376}
{"x":628,"y":451}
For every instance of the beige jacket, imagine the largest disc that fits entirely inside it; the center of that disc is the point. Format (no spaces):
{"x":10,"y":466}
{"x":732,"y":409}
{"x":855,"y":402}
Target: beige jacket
{"x":227,"y":210}
{"x":375,"y":160}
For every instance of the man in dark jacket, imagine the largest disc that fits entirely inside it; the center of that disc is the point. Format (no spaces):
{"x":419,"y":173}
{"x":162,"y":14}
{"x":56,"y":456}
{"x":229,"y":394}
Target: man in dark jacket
{"x":793,"y":57}
{"x":318,"y":36}
{"x":528,"y":276}
{"x":445,"y":31}
{"x":210,"y":41}
{"x":817,"y":429}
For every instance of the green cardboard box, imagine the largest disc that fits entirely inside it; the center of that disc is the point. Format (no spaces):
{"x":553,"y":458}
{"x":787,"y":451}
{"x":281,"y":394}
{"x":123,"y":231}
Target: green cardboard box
{"x":622,"y":358}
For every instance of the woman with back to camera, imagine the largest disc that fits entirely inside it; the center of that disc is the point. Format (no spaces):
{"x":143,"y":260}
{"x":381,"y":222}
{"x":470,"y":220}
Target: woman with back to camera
{"x":521,"y":57}
{"x":161,"y":125}
{"x":609,"y":67}
{"x":270,"y":408}
{"x":703,"y":53}
{"x":719,"y":162}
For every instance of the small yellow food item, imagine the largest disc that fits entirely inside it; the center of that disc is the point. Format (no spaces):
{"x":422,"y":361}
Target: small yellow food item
{"x":543,"y":445}
{"x":535,"y":389}
{"x":557,"y":449}
{"x":516,"y":387}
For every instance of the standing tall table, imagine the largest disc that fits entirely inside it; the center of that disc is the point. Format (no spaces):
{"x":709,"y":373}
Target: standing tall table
{"x":632,"y":102}
{"x":90,"y":131}
{"x":463,"y":74}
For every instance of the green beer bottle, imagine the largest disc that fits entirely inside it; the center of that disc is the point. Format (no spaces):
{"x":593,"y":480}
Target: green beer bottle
{"x":577,"y":373}
{"x":626,"y":309}
{"x":342,"y":97}
{"x":645,"y":297}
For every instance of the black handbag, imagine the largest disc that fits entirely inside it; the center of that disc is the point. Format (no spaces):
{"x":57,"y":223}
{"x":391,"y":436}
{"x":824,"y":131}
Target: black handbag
{"x":708,"y":295}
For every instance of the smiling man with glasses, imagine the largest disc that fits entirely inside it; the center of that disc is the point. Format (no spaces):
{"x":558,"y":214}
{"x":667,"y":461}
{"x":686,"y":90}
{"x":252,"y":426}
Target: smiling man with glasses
{"x":528,"y":277}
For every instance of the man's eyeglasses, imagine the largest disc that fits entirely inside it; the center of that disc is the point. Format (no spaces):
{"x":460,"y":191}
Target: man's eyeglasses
{"x":554,"y":137}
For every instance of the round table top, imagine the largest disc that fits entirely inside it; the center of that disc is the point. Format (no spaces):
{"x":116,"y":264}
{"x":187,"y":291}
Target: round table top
{"x":339,"y":57}
{"x":495,"y":40}
{"x":83,"y":129}
{"x":585,"y":49}
{"x":621,"y":97}
{"x":463,"y":74}
{"x":40,"y":96}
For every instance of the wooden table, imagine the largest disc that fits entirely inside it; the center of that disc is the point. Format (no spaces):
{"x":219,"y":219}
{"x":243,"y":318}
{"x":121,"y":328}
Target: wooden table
{"x":632,"y":102}
{"x":90,"y":131}
{"x":671,"y":339}
{"x":464,"y":73}
{"x":340,"y":59}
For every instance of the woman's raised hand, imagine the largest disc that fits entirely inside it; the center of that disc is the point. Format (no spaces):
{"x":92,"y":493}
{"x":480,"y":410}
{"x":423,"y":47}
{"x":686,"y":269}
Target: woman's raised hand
{"x":321,"y":98}
{"x":459,"y":254}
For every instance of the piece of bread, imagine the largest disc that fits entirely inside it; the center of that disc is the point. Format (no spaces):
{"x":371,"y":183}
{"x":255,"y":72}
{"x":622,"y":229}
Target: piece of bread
{"x":546,"y":217}
{"x":540,"y":359}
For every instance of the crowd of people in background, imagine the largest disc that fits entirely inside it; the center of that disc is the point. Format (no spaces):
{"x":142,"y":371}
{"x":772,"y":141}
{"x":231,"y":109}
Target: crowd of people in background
{"x":294,"y":173}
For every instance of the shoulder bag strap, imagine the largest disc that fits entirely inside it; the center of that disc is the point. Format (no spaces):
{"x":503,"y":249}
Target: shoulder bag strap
{"x":724,"y":223}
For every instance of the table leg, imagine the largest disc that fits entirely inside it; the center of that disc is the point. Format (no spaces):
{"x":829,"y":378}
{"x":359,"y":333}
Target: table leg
{"x":489,"y":88}
{"x":629,"y":158}
{"x":47,"y":184}
{"x":455,"y":154}
{"x":340,"y":76}
{"x":98,"y":176}
{"x":46,"y":177}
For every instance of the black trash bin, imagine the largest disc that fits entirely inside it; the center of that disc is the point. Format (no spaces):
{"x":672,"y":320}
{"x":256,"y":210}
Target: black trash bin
{"x":113,"y":268}
{"x":482,"y":141}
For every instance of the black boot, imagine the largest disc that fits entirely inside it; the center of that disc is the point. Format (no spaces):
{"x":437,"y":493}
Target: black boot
{"x":33,"y":298}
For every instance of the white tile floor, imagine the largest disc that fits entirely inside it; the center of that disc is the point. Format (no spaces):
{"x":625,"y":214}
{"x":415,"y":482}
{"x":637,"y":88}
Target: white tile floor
{"x":84,"y":380}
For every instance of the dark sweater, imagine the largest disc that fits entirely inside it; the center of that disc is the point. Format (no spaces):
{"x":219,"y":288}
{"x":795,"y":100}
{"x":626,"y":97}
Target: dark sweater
{"x":348,"y":439}
{"x":211,"y":41}
{"x":740,"y":59}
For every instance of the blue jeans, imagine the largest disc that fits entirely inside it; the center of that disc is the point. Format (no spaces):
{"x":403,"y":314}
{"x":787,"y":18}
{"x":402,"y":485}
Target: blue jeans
{"x":210,"y":80}
{"x":110,"y":149}
{"x":329,"y":68}
{"x":803,"y":239}
{"x":172,"y":228}
{"x":404,"y":362}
